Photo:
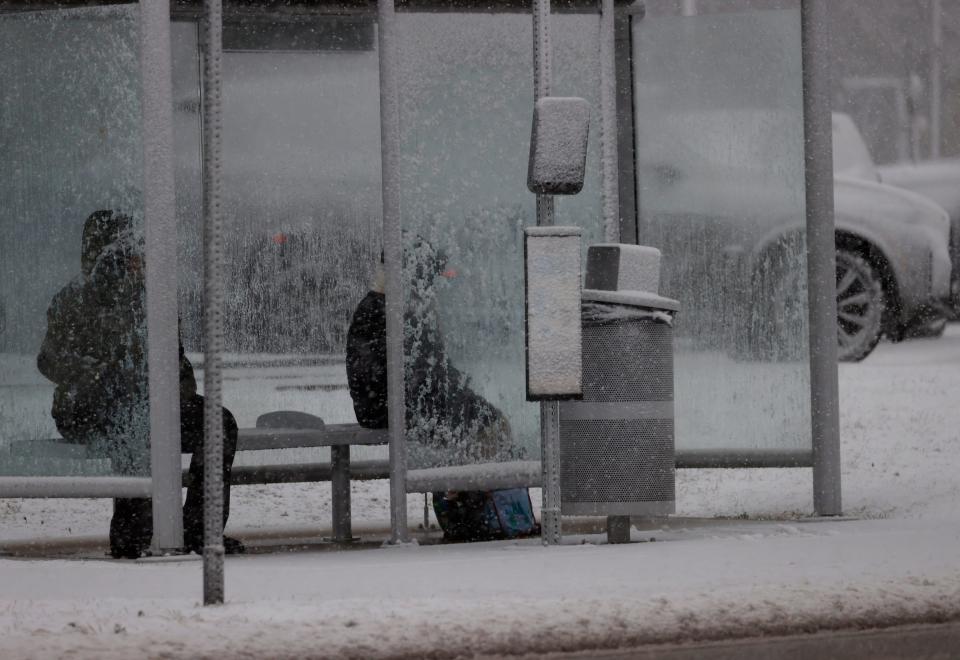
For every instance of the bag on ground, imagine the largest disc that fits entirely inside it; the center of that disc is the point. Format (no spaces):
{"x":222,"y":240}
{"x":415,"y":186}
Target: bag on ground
{"x":485,"y":515}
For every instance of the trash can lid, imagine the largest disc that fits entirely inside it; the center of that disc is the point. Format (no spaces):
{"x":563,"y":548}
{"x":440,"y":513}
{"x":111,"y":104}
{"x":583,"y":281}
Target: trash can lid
{"x":631,"y":298}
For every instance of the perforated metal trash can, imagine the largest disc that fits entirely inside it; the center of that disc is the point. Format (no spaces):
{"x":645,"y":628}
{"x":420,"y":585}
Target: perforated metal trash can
{"x":617,"y":443}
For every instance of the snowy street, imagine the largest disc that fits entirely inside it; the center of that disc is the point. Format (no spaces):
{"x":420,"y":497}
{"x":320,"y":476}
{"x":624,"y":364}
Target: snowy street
{"x":765,"y":567}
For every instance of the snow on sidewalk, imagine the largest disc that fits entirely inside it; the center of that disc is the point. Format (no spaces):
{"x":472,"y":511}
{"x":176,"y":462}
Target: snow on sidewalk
{"x":716,"y":581}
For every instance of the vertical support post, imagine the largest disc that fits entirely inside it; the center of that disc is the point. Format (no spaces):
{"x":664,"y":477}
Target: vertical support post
{"x":393,"y":266}
{"x":549,"y":410}
{"x":626,"y":123}
{"x":213,"y":588}
{"x":609,"y":170}
{"x":161,"y":283}
{"x":821,"y":256}
{"x":340,"y":493}
{"x":609,"y":174}
{"x":936,"y":76}
{"x":550,"y":520}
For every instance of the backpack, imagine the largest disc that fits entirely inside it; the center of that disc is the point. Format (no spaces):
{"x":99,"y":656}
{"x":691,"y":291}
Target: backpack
{"x":485,"y":515}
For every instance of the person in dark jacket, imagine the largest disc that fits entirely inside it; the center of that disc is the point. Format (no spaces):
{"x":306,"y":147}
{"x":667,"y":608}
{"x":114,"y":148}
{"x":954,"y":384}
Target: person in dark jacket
{"x":442,"y":411}
{"x":444,"y":418}
{"x":94,"y":352}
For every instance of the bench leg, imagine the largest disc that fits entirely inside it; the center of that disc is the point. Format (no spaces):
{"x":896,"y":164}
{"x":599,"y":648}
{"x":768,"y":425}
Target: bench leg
{"x":340,"y":484}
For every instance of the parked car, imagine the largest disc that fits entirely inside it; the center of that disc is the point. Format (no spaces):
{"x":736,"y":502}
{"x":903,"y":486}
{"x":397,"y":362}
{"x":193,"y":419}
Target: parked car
{"x":716,"y":179}
{"x":936,"y":180}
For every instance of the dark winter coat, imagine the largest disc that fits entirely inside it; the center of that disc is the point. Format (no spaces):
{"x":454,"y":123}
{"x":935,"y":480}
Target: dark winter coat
{"x":441,"y":408}
{"x":94,"y":350}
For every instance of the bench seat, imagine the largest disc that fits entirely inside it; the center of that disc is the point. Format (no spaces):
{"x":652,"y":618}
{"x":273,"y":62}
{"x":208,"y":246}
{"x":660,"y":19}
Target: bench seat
{"x":339,"y":470}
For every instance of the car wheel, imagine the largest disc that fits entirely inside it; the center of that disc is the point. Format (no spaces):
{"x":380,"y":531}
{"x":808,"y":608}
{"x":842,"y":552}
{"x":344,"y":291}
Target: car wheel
{"x":860,"y":305}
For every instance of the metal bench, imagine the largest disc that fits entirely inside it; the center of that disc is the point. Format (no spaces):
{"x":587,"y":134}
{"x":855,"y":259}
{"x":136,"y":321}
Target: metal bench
{"x":74,"y":464}
{"x":339,"y":471}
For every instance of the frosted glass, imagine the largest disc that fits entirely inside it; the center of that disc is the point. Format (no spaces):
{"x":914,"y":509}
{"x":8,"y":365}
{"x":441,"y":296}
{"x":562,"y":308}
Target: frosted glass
{"x":719,"y":141}
{"x":70,"y":137}
{"x":466,"y":103}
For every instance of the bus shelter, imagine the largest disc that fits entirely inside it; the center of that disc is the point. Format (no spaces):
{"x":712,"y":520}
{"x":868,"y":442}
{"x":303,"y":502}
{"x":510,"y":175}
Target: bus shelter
{"x":359,"y":138}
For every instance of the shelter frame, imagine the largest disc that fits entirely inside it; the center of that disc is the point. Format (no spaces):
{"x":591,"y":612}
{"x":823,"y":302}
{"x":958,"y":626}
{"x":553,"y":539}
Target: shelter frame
{"x":164,"y":483}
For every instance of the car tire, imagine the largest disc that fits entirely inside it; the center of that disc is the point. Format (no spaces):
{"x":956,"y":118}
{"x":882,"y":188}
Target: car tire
{"x":860,"y":307}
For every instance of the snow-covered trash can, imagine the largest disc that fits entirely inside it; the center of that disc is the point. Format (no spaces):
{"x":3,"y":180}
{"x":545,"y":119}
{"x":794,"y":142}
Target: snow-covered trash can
{"x":617,"y":443}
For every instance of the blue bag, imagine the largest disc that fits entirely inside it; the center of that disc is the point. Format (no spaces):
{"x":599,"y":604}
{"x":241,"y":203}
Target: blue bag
{"x":485,"y":515}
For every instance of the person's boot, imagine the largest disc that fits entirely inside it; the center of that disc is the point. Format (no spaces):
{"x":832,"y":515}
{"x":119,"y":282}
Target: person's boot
{"x":131,"y":528}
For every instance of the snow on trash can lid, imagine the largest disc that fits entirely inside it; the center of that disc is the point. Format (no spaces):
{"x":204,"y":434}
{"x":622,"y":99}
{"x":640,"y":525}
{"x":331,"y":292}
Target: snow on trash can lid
{"x":628,"y":275}
{"x":631,"y":299}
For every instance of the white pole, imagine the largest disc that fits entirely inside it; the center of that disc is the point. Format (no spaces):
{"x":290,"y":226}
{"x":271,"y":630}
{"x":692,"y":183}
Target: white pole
{"x":393,"y":266}
{"x":160,"y":233}
{"x":688,"y":8}
{"x":821,"y":257}
{"x":936,"y":76}
{"x":609,"y":169}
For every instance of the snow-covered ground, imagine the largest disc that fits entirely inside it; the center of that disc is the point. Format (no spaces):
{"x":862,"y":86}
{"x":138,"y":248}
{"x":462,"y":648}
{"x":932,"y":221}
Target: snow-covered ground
{"x":764,"y":568}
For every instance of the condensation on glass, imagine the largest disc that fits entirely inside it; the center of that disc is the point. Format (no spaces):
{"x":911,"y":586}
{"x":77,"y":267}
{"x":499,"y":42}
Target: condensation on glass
{"x":301,"y":181}
{"x":719,"y":143}
{"x":70,"y":136}
{"x":466,"y":102}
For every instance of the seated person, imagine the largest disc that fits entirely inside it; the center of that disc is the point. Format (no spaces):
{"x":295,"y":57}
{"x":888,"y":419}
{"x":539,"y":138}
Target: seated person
{"x":95,"y":352}
{"x":442,"y":411}
{"x":443,"y":414}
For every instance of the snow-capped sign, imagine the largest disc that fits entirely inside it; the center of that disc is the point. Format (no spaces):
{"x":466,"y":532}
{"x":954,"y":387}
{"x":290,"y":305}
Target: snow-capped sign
{"x":554,"y":351}
{"x":558,"y":145}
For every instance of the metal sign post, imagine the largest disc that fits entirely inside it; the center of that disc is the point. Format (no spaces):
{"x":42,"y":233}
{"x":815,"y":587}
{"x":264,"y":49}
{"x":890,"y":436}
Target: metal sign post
{"x":212,"y":306}
{"x":549,"y":410}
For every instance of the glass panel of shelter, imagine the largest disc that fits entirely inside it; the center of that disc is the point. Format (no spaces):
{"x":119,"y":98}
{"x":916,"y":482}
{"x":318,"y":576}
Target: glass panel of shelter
{"x":465,"y":108}
{"x":720,"y":184}
{"x":71,"y":289}
{"x":302,"y":200}
{"x":301,"y":178}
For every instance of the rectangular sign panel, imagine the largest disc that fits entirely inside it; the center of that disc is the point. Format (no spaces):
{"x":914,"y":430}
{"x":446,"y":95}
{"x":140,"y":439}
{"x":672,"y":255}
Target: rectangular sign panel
{"x":554,"y":360}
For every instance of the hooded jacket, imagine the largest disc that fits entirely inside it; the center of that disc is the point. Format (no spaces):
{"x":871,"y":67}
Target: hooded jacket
{"x":442,"y":410}
{"x":95,"y":347}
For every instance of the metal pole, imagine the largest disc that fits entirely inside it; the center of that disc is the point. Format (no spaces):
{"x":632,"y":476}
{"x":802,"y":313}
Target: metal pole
{"x":609,"y":170}
{"x":549,"y":410}
{"x":213,"y":590}
{"x":936,"y":76}
{"x":393,"y":266}
{"x":688,"y":8}
{"x":821,"y":257}
{"x":340,"y":493}
{"x":618,"y":527}
{"x":160,"y":233}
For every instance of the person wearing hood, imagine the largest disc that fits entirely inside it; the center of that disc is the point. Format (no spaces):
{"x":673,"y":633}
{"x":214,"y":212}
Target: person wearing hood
{"x":94,"y":352}
{"x":442,"y":409}
{"x":445,"y":417}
